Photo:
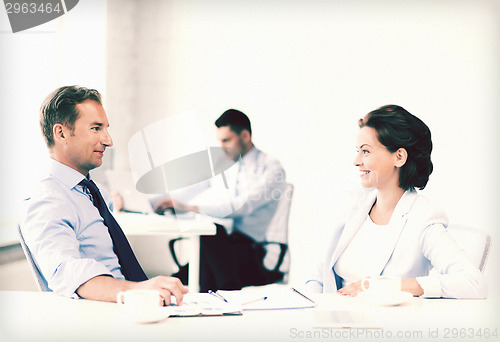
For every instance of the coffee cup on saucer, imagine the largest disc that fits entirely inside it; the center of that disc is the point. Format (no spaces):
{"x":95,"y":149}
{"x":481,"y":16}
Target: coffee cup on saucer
{"x":141,"y":305}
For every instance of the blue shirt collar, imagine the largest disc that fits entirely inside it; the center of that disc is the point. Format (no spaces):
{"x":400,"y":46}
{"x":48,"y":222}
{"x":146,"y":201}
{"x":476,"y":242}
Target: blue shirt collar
{"x":65,"y":174}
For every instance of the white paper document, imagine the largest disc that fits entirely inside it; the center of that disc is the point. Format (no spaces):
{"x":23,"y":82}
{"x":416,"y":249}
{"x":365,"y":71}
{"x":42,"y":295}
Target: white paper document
{"x":274,"y":300}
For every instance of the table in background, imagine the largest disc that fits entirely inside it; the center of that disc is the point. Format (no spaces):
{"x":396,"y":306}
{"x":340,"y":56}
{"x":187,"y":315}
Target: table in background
{"x":187,"y":226}
{"x":37,"y":316}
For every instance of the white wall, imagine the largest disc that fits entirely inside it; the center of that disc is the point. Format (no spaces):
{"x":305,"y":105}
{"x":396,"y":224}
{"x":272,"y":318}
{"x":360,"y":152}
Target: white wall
{"x":68,"y":50}
{"x":305,"y":71}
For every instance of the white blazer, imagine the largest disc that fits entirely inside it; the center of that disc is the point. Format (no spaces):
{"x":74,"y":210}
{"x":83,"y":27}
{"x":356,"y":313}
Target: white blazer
{"x":420,"y":242}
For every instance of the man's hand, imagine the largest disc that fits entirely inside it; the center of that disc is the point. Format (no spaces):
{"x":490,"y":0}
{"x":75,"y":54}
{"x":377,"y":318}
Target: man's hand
{"x":117,"y":201}
{"x":164,"y":205}
{"x":167,"y":286}
{"x":178,"y":207}
{"x":106,"y":288}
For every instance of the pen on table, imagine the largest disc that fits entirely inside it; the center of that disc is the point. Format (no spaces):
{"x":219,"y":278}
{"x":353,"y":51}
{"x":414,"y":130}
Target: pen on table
{"x":217,"y":295}
{"x":133,"y":211}
{"x":303,"y":295}
{"x":255,"y":300}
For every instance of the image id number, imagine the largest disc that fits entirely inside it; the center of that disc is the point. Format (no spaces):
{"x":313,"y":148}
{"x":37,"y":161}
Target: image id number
{"x":31,"y":7}
{"x":485,"y":333}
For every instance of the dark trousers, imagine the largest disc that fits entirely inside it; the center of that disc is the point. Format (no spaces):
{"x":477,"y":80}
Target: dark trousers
{"x":230,"y":262}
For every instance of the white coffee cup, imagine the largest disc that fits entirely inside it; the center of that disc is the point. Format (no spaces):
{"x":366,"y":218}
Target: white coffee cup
{"x":140,"y":305}
{"x":382,"y":286}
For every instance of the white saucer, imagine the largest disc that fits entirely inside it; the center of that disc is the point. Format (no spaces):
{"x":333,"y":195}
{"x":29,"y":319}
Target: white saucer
{"x":402,"y":297}
{"x":152,"y":317}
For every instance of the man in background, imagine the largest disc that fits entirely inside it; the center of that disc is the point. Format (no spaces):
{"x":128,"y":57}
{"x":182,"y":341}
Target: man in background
{"x":233,"y":257}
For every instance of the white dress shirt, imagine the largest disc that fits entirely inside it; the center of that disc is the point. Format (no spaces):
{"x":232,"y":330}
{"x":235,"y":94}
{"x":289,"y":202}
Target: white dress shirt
{"x":363,"y":254}
{"x":256,"y":184}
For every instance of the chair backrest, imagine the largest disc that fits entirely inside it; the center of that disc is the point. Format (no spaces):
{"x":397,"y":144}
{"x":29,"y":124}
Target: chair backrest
{"x":475,"y":243}
{"x":39,"y":279}
{"x":277,"y":232}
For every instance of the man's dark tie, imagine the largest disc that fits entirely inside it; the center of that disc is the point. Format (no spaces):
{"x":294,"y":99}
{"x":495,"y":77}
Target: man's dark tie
{"x":129,"y":265}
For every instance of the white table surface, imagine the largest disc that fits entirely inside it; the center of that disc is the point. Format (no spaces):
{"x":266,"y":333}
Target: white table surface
{"x":188,"y":226}
{"x":36,"y":316}
{"x":153,"y":224}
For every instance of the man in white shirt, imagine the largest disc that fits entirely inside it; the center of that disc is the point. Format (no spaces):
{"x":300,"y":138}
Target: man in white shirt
{"x":233,"y":258}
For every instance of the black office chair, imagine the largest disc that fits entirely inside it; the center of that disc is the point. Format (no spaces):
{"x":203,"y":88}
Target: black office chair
{"x":276,"y":259}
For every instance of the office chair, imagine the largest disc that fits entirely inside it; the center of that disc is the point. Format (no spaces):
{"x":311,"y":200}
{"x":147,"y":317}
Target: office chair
{"x":276,"y":260}
{"x":39,"y":279}
{"x":475,"y":242}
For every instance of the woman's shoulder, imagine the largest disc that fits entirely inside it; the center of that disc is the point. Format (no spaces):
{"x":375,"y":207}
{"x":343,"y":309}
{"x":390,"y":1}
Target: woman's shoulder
{"x":426,"y":210}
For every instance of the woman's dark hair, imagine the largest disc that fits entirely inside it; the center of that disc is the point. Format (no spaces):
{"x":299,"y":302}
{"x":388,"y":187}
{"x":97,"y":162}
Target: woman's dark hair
{"x":397,"y":128}
{"x":60,"y":108}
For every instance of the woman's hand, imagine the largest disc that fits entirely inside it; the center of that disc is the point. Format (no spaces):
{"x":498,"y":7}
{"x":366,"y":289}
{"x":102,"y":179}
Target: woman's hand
{"x":351,"y":290}
{"x":411,"y":285}
{"x":408,"y":285}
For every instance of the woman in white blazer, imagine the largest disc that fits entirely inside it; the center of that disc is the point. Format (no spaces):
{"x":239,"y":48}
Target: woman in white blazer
{"x":393,"y":230}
